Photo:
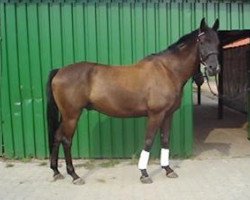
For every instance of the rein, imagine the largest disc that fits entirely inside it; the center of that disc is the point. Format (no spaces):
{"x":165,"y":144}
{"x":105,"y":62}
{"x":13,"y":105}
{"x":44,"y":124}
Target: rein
{"x":209,"y":86}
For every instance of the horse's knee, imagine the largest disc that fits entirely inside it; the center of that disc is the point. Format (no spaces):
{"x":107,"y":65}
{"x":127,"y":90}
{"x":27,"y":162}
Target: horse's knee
{"x":148,"y":144}
{"x":164,"y":142}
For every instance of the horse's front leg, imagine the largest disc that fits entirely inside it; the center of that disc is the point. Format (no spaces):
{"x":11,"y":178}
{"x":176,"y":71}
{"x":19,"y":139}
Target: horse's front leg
{"x":165,"y":128}
{"x":154,"y":122}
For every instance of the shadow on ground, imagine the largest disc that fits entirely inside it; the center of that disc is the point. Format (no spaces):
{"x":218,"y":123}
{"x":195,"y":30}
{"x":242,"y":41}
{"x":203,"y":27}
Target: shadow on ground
{"x":219,"y":138}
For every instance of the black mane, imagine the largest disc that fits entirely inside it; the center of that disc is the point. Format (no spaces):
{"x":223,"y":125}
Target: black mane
{"x":188,"y":38}
{"x":184,"y":39}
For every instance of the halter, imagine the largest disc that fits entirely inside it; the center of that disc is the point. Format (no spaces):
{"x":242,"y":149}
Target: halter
{"x":203,"y":61}
{"x":202,"y":57}
{"x":207,"y":56}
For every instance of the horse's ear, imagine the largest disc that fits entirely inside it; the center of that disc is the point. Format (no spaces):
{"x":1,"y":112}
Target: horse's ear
{"x":216,"y":24}
{"x":203,"y":25}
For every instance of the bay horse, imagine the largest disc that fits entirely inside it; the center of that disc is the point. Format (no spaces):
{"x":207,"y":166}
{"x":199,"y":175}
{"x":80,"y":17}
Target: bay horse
{"x":152,"y":87}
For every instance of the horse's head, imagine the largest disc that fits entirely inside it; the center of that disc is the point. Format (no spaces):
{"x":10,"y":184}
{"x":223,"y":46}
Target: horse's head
{"x":208,"y":42}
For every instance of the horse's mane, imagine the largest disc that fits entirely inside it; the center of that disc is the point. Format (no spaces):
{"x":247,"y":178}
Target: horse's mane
{"x":184,"y":40}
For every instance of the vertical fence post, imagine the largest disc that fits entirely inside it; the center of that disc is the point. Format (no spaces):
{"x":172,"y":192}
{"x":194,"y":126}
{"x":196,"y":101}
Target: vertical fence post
{"x":220,"y":89}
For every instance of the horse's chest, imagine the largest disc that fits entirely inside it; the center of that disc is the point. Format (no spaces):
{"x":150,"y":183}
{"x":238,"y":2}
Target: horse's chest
{"x":164,"y":98}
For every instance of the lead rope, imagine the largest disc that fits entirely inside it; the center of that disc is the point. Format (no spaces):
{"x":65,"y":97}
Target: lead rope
{"x":209,"y":86}
{"x":238,"y":96}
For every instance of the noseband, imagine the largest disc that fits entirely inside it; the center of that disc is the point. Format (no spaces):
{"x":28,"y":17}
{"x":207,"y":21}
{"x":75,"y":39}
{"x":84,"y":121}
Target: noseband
{"x":203,"y":58}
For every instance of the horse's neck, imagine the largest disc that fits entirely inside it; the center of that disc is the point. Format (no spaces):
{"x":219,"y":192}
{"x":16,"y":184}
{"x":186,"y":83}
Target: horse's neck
{"x":186,"y":62}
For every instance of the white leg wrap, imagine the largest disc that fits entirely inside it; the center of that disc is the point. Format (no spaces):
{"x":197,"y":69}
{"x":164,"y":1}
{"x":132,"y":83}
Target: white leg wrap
{"x":164,"y":157}
{"x":143,"y":161}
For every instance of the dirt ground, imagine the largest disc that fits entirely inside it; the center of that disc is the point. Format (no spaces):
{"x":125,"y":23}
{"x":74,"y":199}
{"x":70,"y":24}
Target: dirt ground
{"x":209,"y":179}
{"x":215,"y":138}
{"x":219,"y":169}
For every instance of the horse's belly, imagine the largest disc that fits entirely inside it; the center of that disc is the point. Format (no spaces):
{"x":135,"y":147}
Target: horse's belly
{"x":121,"y":112}
{"x":122,"y":105}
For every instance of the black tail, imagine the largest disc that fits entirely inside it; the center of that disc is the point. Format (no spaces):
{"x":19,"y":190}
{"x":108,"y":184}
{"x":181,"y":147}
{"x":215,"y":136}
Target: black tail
{"x":52,"y":111}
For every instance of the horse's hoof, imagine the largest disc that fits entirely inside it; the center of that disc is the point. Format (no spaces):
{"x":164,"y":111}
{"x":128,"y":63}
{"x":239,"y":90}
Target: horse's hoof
{"x":172,"y":175}
{"x":146,"y":180}
{"x":78,"y":181}
{"x":58,"y":177}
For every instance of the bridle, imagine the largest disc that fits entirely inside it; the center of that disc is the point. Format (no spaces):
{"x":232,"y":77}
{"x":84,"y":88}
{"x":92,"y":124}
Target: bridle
{"x":203,"y":58}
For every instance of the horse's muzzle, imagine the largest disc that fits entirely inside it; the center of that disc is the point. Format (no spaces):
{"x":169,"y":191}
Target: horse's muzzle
{"x":212,"y":71}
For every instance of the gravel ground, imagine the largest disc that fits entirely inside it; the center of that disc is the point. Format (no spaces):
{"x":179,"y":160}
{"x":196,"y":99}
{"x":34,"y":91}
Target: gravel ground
{"x":226,"y":178}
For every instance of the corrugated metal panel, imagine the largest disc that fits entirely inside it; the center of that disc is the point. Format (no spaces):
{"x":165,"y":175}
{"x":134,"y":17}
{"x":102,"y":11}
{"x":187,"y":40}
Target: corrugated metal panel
{"x":37,"y":37}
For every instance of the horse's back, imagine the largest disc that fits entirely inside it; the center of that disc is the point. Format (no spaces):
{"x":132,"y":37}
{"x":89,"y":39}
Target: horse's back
{"x":117,"y":91}
{"x":87,"y":84}
{"x":131,"y":91}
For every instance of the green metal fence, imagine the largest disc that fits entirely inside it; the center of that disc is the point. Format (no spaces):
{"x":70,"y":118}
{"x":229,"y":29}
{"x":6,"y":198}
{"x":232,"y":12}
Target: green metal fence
{"x":37,"y":37}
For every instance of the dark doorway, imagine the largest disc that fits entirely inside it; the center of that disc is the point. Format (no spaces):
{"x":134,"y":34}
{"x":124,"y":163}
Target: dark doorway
{"x":221,"y":124}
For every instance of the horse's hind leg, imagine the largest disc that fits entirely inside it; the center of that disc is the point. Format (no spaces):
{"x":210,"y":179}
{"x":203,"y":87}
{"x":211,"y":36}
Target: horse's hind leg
{"x":54,"y":155}
{"x":64,"y":135}
{"x":69,"y":125}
